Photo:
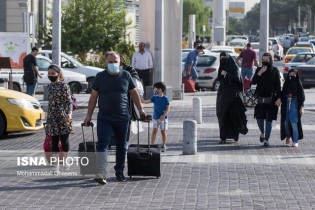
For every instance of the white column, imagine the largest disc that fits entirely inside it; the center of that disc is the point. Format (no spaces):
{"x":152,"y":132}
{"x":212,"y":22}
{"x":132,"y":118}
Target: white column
{"x":56,"y":32}
{"x":264,"y":27}
{"x":158,"y":59}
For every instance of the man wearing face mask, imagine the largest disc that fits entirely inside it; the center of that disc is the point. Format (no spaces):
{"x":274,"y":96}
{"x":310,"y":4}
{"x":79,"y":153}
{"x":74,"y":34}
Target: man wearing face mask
{"x":191,"y":62}
{"x":110,"y":89}
{"x":268,"y":92}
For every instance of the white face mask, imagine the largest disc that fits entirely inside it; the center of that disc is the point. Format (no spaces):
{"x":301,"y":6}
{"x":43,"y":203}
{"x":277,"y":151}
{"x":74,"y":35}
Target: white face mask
{"x":113,"y":67}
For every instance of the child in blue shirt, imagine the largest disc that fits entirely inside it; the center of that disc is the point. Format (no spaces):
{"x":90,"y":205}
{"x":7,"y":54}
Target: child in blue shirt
{"x":161,"y":109}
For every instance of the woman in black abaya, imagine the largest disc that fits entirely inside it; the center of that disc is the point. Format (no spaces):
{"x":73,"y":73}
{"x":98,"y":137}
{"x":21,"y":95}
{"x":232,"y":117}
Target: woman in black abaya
{"x":230,"y":107}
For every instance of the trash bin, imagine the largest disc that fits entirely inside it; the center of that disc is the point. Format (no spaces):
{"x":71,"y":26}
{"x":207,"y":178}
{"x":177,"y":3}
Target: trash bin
{"x":4,"y":83}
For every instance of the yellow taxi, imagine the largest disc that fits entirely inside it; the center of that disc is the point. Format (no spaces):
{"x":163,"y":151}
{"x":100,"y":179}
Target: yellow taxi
{"x":19,"y":112}
{"x":238,"y":44}
{"x":293,"y":51}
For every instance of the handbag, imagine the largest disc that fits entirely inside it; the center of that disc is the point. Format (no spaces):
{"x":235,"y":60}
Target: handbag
{"x":264,"y":100}
{"x":250,"y":99}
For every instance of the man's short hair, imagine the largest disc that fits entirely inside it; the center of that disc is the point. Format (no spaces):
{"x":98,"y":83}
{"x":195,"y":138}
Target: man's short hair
{"x":160,"y":85}
{"x":249,"y":44}
{"x":34,"y":49}
{"x":200,"y":47}
{"x":111,"y":53}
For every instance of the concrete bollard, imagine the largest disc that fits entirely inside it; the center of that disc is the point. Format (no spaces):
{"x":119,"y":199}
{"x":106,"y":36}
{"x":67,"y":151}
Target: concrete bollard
{"x":190,"y":137}
{"x":197,"y":110}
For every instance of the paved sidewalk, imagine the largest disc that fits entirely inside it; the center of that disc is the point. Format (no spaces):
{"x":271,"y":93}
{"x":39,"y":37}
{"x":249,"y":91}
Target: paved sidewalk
{"x":242,"y":175}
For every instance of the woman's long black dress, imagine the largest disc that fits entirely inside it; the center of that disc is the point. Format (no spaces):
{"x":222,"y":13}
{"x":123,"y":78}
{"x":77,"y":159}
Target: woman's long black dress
{"x":230,"y":107}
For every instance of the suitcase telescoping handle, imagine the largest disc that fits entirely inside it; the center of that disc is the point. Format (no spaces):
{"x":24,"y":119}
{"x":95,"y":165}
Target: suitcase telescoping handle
{"x":90,"y":124}
{"x":144,"y":118}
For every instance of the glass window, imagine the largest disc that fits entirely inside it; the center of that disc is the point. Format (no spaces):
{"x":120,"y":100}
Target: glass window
{"x":204,"y":61}
{"x":42,"y":64}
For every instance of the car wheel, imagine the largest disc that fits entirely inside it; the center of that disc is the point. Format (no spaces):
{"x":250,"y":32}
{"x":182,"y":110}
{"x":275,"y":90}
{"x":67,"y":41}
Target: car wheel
{"x":216,"y":85}
{"x":75,"y":88}
{"x":16,"y":87}
{"x":3,"y":125}
{"x":90,"y":83}
{"x":197,"y":87}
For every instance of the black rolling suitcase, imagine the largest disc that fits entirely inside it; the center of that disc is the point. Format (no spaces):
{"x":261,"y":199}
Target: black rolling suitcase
{"x":144,"y":159}
{"x":87,"y":154}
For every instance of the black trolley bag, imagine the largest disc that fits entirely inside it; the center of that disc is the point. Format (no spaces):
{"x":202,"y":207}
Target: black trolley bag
{"x":87,"y":154}
{"x":144,"y":159}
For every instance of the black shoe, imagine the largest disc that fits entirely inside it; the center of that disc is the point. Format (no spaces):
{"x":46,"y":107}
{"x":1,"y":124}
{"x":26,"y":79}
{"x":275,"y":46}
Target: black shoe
{"x":223,"y":141}
{"x":266,"y":143}
{"x":120,"y":176}
{"x":236,"y":139}
{"x":261,"y":139}
{"x":100,"y":180}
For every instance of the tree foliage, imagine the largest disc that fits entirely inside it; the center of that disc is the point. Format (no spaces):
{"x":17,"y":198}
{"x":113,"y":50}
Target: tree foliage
{"x":282,"y":13}
{"x":196,"y":7}
{"x":93,"y":24}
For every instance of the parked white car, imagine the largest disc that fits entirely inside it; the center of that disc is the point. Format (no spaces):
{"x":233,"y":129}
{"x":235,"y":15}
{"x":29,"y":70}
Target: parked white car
{"x":71,"y":64}
{"x":77,"y":82}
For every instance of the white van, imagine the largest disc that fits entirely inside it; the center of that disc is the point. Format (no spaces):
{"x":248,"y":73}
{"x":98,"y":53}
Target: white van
{"x":71,"y":64}
{"x":77,"y":82}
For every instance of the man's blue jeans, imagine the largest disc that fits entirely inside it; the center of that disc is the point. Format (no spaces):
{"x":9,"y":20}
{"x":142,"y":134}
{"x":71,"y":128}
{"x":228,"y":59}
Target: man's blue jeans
{"x":30,"y":89}
{"x":247,"y":72}
{"x":261,"y":125}
{"x":105,"y":130}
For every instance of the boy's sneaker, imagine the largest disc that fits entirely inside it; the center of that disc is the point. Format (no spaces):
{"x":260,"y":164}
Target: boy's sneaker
{"x":163,"y":148}
{"x":295,"y":144}
{"x":266,"y":143}
{"x":120,"y":176}
{"x":99,"y":179}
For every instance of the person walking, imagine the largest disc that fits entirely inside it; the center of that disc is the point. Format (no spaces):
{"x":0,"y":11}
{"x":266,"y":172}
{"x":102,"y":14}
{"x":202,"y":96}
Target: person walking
{"x":31,"y":72}
{"x":230,"y":108}
{"x":268,"y":92}
{"x":292,"y":98}
{"x":249,"y":60}
{"x":161,"y":109}
{"x":59,"y":115}
{"x":191,"y":62}
{"x":142,"y":62}
{"x":110,"y":88}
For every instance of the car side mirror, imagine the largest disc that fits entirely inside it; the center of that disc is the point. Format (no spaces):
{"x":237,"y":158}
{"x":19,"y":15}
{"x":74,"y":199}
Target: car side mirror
{"x":72,"y":65}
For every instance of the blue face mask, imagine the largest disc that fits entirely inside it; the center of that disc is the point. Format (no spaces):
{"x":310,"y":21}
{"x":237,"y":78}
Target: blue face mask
{"x":113,"y":67}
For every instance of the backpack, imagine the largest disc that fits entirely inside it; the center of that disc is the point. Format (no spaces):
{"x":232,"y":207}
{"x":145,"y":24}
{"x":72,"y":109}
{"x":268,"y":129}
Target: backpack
{"x":29,"y":76}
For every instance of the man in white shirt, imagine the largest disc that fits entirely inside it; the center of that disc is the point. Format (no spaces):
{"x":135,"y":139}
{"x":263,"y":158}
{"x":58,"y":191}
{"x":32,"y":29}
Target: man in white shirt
{"x":142,"y":62}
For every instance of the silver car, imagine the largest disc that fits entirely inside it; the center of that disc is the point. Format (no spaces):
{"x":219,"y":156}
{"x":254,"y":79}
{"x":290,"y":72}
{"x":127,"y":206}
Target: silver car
{"x":298,"y":60}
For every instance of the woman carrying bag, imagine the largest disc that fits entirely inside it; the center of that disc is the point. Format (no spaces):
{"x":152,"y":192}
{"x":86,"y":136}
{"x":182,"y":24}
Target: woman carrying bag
{"x":268,"y":93}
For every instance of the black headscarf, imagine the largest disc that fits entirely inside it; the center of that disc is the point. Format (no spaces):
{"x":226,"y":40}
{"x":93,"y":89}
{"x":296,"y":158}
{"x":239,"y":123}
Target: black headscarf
{"x":270,"y":58}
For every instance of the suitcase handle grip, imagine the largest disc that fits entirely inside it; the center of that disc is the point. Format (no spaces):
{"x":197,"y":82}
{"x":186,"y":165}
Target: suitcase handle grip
{"x":90,"y":124}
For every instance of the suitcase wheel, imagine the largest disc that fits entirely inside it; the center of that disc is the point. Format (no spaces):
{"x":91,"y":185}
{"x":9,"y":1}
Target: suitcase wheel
{"x":130,"y":177}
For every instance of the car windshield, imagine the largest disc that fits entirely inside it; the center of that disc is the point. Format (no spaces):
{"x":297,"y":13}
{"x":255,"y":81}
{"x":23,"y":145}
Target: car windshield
{"x":302,"y":58}
{"x":219,"y":51}
{"x":311,"y":61}
{"x":237,"y":44}
{"x":42,"y":64}
{"x":298,"y":50}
